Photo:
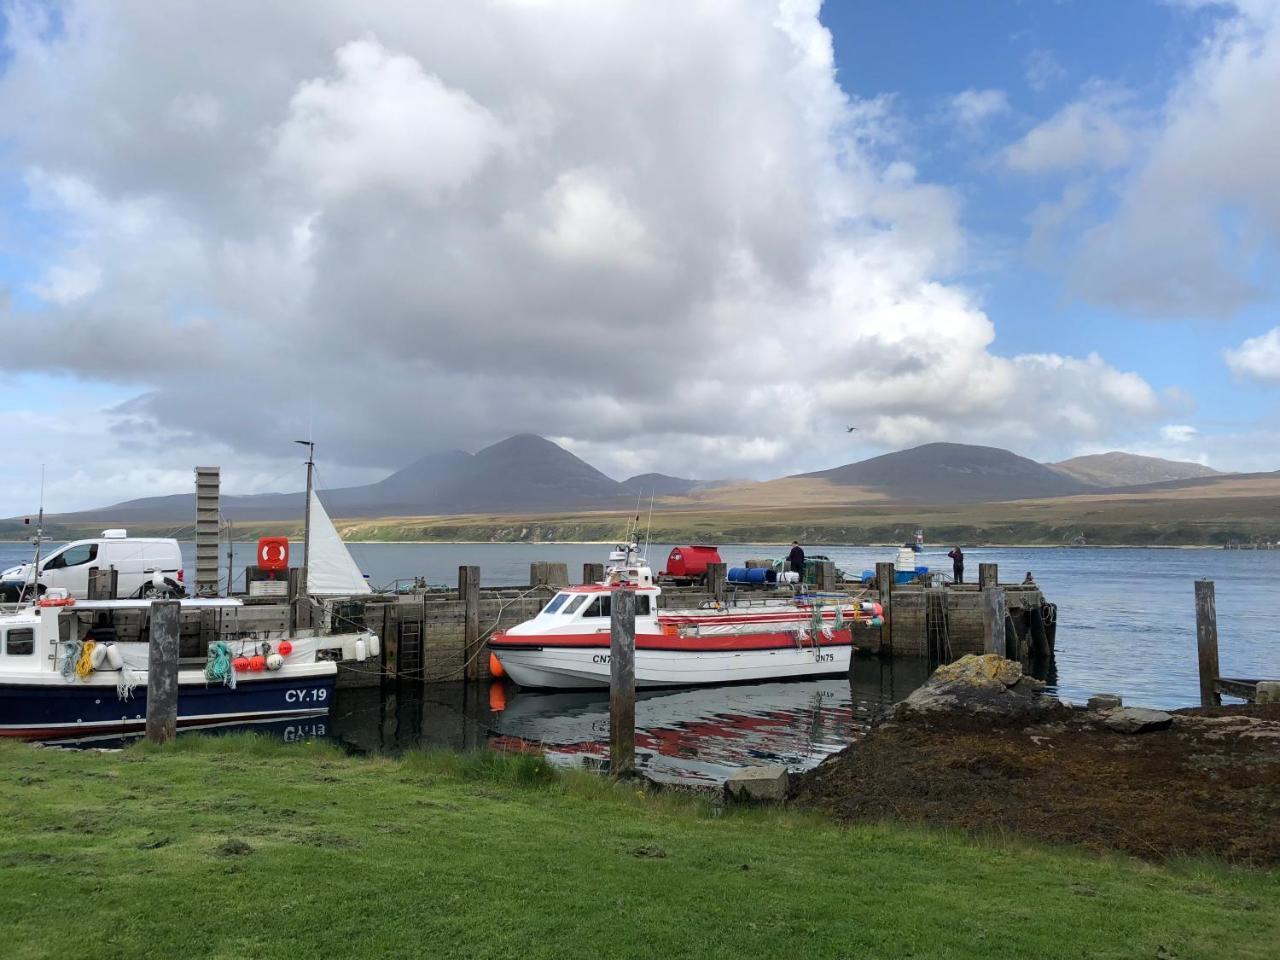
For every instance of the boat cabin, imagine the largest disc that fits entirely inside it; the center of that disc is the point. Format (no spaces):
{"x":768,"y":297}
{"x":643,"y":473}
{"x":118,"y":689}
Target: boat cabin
{"x":591,"y":605}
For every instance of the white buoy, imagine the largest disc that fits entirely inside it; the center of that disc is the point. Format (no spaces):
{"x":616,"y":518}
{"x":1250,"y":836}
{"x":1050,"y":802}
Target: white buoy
{"x":375,"y":645}
{"x":99,"y":656}
{"x":275,"y":661}
{"x":115,"y":660}
{"x":360,"y":649}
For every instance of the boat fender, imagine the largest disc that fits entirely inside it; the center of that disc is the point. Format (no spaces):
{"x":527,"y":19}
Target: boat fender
{"x":99,"y":656}
{"x":361,"y":650}
{"x":241,"y":664}
{"x":284,"y":648}
{"x":375,"y":645}
{"x":115,"y":660}
{"x":257,"y":663}
{"x":495,"y":666}
{"x":876,"y":621}
{"x":275,"y":661}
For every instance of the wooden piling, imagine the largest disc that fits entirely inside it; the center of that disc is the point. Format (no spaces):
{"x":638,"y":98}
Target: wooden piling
{"x":1040,"y":647}
{"x":884,"y":579}
{"x":469,"y":594}
{"x":162,"y":671}
{"x":988,"y":575}
{"x":543,"y":573}
{"x":994,"y":611}
{"x":1207,"y":643}
{"x":622,"y":684}
{"x":716,"y":576}
{"x":592,"y":572}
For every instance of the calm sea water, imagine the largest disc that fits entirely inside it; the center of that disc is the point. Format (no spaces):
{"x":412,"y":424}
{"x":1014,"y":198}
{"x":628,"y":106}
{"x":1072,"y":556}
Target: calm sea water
{"x":1126,"y":625}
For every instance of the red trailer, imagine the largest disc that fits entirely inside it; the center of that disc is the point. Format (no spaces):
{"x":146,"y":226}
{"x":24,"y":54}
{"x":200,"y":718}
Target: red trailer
{"x":687,"y":564}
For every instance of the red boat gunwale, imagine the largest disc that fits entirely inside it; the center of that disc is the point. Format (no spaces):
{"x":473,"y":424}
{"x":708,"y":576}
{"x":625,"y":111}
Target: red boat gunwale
{"x":779,"y":640}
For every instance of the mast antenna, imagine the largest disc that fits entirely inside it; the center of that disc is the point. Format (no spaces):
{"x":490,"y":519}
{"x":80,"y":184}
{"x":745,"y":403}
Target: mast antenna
{"x":39,"y":539}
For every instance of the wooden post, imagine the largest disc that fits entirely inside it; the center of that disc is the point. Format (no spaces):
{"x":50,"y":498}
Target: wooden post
{"x":988,"y":575}
{"x":1207,"y":643}
{"x":622,"y":684}
{"x":469,"y":593}
{"x":592,"y":572}
{"x":537,"y":573}
{"x":884,"y":579}
{"x":993,"y":614}
{"x":716,"y":574}
{"x":1039,"y":636}
{"x":162,"y":671}
{"x":390,"y":643}
{"x":824,"y":575}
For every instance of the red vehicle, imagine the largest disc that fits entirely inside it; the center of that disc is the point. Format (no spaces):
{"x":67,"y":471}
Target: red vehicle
{"x":689,"y":564}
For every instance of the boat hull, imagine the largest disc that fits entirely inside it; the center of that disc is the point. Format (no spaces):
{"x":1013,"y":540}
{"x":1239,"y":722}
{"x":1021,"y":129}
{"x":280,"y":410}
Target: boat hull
{"x":577,"y":667}
{"x":49,"y":710}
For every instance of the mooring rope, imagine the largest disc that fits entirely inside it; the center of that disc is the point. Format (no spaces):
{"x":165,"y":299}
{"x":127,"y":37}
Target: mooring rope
{"x":84,"y":665}
{"x":70,"y":657}
{"x":218,"y":668}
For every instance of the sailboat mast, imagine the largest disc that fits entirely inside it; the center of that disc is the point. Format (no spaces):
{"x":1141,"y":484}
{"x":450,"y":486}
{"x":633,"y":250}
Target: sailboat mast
{"x":306,"y":521}
{"x":35,"y":564}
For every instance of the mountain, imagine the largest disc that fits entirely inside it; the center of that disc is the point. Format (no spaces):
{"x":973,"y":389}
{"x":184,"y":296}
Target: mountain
{"x":660,"y":485}
{"x":1117,"y":469}
{"x":952,"y":473}
{"x":522,"y":474}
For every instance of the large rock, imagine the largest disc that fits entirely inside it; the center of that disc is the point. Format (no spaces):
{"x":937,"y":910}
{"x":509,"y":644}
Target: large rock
{"x":1137,"y":719}
{"x":758,"y":785}
{"x":1268,"y":691}
{"x":1104,"y":701}
{"x":986,"y":685}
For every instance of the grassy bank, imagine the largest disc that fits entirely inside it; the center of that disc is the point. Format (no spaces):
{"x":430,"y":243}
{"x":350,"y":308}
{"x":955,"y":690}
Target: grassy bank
{"x":240,"y":847}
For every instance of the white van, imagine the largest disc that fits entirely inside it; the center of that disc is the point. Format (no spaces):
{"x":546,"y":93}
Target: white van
{"x":136,"y":560}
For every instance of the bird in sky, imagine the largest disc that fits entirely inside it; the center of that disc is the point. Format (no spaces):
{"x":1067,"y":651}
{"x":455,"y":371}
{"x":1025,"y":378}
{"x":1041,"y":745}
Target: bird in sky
{"x":850,"y":429}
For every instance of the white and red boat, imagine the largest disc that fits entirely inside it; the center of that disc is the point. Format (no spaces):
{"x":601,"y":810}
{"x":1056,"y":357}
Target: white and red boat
{"x":567,"y":644}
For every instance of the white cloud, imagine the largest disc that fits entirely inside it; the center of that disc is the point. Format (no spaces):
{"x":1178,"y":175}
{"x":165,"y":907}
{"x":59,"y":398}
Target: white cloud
{"x":1043,"y":70}
{"x":1178,"y":433}
{"x":1258,"y":358}
{"x":1092,"y":132}
{"x":973,"y":109}
{"x":640,"y":227}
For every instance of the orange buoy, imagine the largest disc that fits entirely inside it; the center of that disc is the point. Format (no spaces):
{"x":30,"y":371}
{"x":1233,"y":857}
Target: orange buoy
{"x":284,"y":648}
{"x":497,"y":697}
{"x":241,"y":664}
{"x":258,"y":664}
{"x":495,"y":666}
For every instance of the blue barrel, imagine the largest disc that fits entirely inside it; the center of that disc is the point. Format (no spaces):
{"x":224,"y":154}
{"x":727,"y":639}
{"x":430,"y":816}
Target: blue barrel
{"x":743,"y":575}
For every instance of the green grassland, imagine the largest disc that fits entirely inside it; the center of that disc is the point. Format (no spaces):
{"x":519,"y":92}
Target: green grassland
{"x":242,"y":847}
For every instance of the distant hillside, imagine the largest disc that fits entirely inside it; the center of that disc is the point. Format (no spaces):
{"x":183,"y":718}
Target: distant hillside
{"x":1117,"y":469}
{"x":661,"y":485}
{"x":952,"y":473}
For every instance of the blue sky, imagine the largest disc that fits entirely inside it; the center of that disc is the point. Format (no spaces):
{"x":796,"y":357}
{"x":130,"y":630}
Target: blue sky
{"x":1048,"y":226}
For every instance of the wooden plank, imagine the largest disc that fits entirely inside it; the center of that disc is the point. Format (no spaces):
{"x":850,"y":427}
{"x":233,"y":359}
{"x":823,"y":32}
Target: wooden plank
{"x":993,"y":615}
{"x":592,"y":572}
{"x":884,"y":579}
{"x":1244,"y":689}
{"x":716,"y":577}
{"x":622,"y":684}
{"x":469,"y":591}
{"x":988,"y":575}
{"x":824,"y":575}
{"x":162,"y":671}
{"x":1207,"y":643}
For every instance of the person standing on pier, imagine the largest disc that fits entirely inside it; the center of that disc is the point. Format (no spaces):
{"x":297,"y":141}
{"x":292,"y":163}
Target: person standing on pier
{"x":957,"y":564}
{"x":796,"y":559}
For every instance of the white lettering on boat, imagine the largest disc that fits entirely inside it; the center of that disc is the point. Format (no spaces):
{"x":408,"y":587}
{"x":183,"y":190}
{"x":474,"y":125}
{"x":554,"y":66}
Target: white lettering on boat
{"x":306,"y":696}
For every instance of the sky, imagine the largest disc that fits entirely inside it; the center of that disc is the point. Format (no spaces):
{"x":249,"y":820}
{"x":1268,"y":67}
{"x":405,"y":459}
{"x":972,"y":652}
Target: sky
{"x":701,"y":239}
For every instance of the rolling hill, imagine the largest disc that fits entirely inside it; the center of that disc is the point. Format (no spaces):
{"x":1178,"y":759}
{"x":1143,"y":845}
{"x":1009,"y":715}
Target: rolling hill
{"x":1117,"y":469}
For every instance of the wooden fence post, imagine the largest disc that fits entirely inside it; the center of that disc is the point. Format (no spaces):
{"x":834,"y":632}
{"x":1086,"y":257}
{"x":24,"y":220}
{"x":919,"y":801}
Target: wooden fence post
{"x":716,"y":573}
{"x":557,"y":575}
{"x":162,"y":671}
{"x":1207,"y":643}
{"x":469,"y":594}
{"x":824,"y":575}
{"x":622,"y":684}
{"x":884,"y":579}
{"x":592,"y":572}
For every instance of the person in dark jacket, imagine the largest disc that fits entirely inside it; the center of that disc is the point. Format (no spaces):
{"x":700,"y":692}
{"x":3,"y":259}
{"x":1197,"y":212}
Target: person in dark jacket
{"x":957,"y":564}
{"x":796,"y":559}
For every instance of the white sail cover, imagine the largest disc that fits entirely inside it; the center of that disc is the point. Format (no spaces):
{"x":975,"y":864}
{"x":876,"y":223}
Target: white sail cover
{"x":331,"y":572}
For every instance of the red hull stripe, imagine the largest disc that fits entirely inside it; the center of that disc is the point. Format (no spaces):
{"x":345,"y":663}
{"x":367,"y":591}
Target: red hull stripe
{"x":753,"y":641}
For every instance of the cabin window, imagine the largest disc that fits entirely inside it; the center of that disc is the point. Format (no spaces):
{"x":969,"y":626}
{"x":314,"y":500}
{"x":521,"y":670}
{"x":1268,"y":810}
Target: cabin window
{"x":601,"y":606}
{"x":642,"y":605}
{"x":573,"y":606}
{"x":20,"y":643}
{"x":556,"y":603}
{"x":73,"y":556}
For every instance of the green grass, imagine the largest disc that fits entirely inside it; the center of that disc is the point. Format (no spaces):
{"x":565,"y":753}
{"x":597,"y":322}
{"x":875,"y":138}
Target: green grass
{"x":241,"y":847}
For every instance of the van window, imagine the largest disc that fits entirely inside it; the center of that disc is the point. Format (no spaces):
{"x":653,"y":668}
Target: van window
{"x":20,"y":642}
{"x":556,"y":603}
{"x":73,"y":556}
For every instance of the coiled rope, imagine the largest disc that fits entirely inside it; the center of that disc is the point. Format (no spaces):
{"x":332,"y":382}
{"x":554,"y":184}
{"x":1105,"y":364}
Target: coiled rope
{"x":71,"y":651}
{"x":218,"y":668}
{"x":84,"y":665}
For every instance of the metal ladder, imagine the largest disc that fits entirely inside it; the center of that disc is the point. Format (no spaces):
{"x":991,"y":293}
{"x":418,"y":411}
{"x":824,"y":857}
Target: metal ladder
{"x":937,"y":625}
{"x":410,"y":665}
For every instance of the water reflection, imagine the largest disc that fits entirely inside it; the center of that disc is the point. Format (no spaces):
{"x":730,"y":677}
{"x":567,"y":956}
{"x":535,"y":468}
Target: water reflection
{"x":697,"y":734}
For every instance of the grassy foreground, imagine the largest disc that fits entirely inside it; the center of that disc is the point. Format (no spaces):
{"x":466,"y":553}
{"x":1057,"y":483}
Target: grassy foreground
{"x":241,"y":847}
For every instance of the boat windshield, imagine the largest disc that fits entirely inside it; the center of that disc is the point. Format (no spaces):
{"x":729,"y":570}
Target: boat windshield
{"x":578,"y":601}
{"x":556,"y":603}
